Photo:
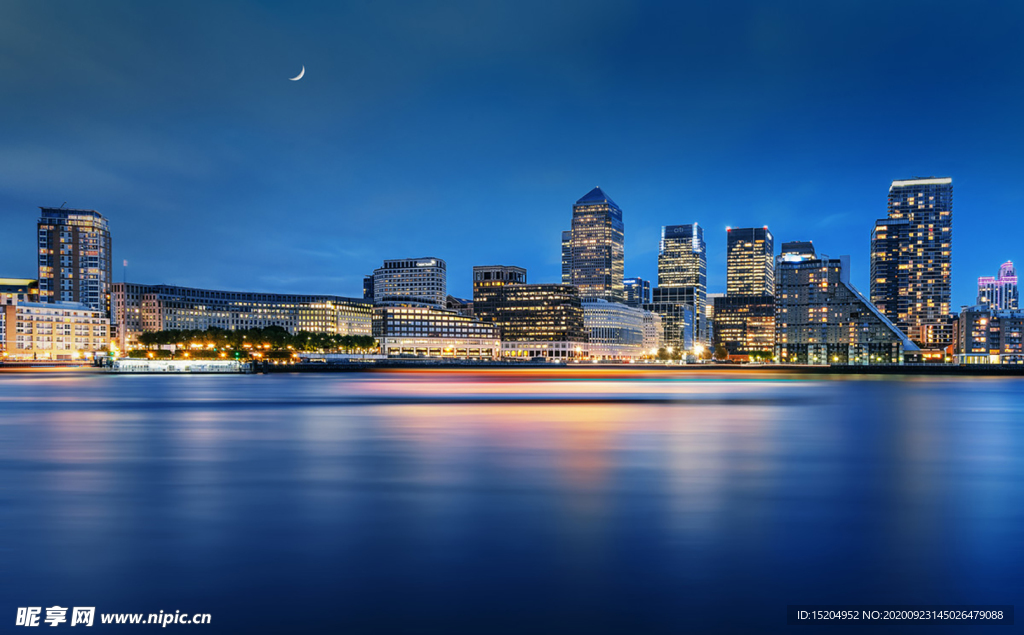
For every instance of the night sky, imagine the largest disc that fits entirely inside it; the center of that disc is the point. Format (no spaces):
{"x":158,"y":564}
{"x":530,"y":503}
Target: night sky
{"x":466,"y":130}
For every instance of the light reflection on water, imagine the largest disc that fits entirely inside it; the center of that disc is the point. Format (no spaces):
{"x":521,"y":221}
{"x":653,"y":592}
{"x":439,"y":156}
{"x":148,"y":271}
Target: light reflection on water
{"x":497,"y":502}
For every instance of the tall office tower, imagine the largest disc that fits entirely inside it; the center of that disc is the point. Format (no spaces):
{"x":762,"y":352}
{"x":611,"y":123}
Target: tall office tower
{"x":637,"y":291}
{"x":820,"y":318}
{"x":415,"y":281}
{"x":911,"y":261}
{"x":750,"y":262}
{"x":74,"y":257}
{"x":595,"y":257}
{"x":567,"y":257}
{"x":1000,"y":293}
{"x":683,"y":274}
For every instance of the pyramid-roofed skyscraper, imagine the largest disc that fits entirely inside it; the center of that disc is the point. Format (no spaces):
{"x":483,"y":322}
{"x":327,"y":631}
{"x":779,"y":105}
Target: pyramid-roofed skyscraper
{"x":594,"y":254}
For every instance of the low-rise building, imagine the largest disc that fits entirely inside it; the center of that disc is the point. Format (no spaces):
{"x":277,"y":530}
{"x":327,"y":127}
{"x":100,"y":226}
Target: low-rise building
{"x":614,"y":330}
{"x":422,"y":331}
{"x":59,"y":331}
{"x":142,"y":308}
{"x":986,"y":336}
{"x":745,"y":325}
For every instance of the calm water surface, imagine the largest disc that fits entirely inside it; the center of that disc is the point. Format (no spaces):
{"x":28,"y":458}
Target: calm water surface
{"x":494,"y":502}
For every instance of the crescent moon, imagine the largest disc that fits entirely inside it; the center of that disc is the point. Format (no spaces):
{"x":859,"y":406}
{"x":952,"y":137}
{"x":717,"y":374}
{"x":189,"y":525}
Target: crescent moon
{"x":299,"y":76}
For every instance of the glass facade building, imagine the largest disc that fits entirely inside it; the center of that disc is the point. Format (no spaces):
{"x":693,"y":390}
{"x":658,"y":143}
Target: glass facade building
{"x":74,"y":256}
{"x":683,"y":277}
{"x":595,"y":254}
{"x":911,"y":260}
{"x":637,"y":292}
{"x":750,"y":262}
{"x":676,"y":322}
{"x":999,"y":293}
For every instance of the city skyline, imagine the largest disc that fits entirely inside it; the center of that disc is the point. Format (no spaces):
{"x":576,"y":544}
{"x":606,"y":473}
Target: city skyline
{"x":417,"y":121}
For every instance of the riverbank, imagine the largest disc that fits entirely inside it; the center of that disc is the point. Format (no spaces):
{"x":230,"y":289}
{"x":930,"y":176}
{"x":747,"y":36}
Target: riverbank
{"x":569,"y":370}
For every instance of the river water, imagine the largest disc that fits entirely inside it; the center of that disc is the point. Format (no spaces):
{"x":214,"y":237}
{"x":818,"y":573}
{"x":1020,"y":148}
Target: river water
{"x":508,"y":502}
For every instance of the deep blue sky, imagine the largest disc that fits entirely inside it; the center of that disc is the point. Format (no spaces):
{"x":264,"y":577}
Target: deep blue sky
{"x":466,"y":130}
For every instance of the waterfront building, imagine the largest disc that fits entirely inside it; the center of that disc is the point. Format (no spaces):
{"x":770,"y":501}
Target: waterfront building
{"x":56,"y":331}
{"x":683,"y":275}
{"x":14,"y":290}
{"x":820,"y":318}
{"x":654,"y":333}
{"x":142,"y":308}
{"x":745,"y":325}
{"x":411,"y":281}
{"x":677,"y":321}
{"x":595,"y":254}
{"x":535,"y":320}
{"x":74,"y":255}
{"x":744,"y":319}
{"x":614,"y":330}
{"x":911,"y":260}
{"x":637,"y":292}
{"x":750,"y":262}
{"x":422,"y":331}
{"x":999,"y":293}
{"x":984,"y":335}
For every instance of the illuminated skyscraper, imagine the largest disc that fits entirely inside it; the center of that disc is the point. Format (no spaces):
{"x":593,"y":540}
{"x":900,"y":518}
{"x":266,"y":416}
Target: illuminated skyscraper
{"x":74,"y":257}
{"x":999,"y":294}
{"x":911,"y":260}
{"x":750,"y":264}
{"x":595,"y":255}
{"x":683,"y":274}
{"x":744,"y":320}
